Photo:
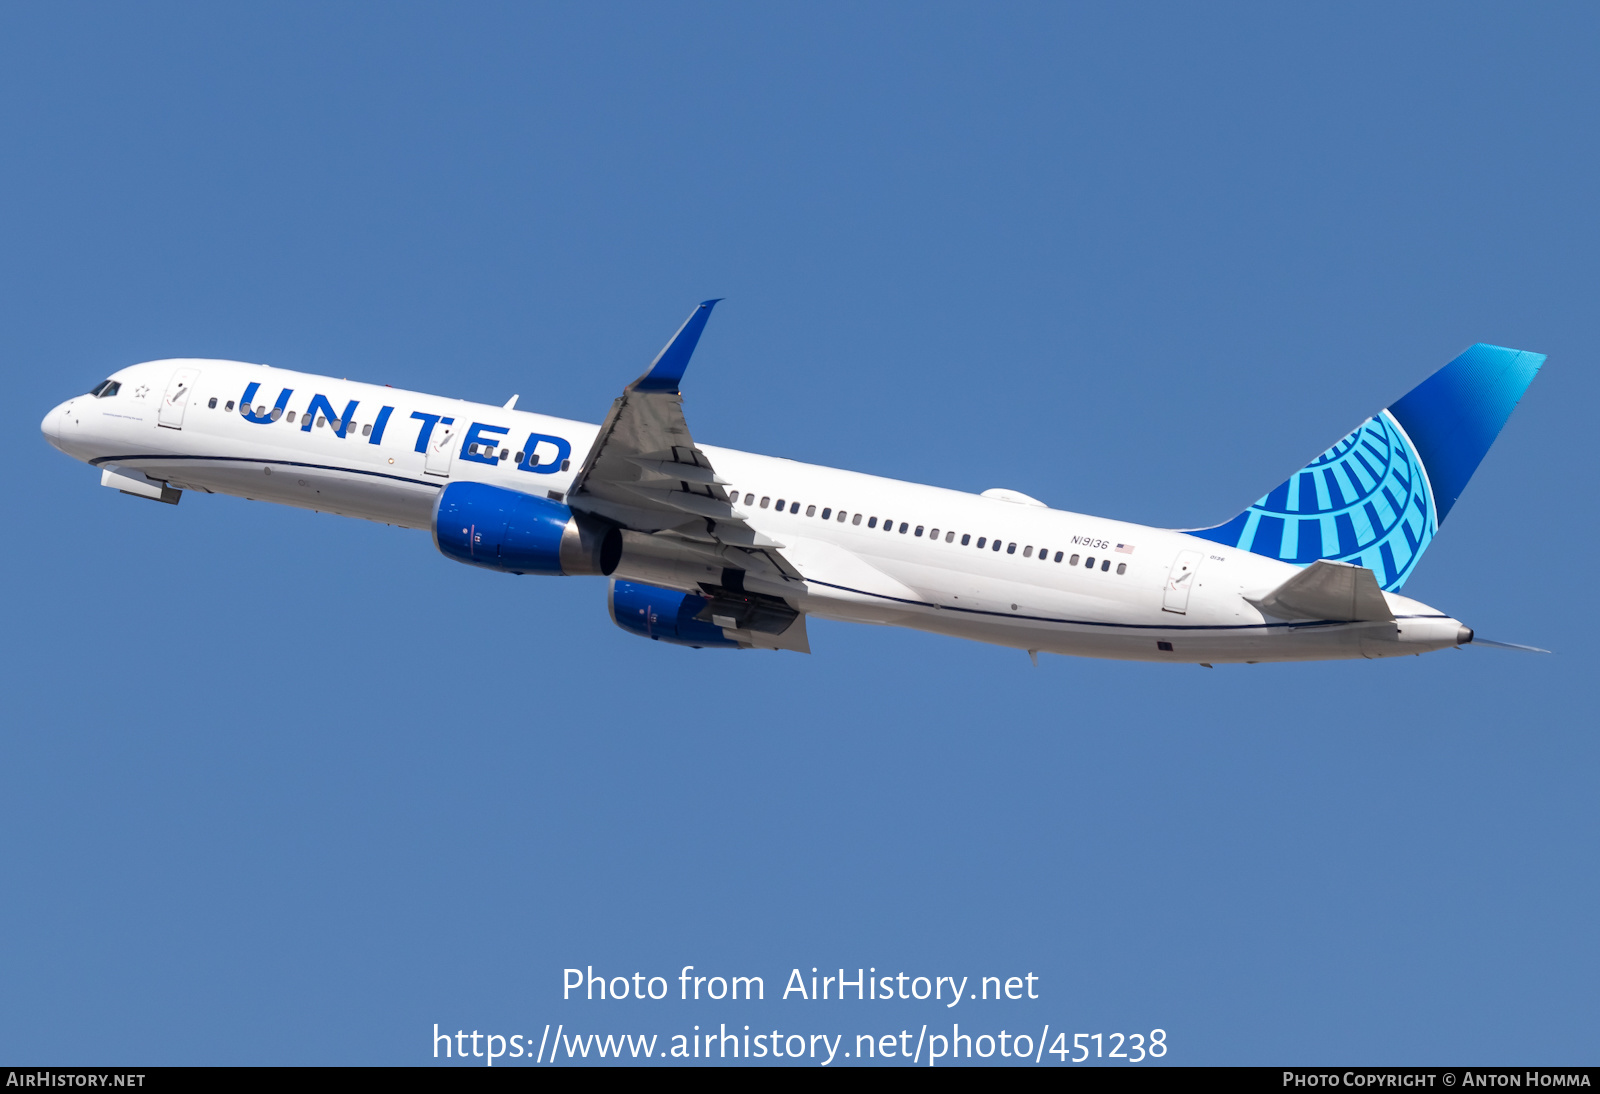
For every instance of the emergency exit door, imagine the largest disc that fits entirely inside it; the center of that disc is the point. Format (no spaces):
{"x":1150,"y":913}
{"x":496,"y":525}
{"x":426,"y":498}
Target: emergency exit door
{"x":177,"y":397}
{"x":1180,"y":581}
{"x":441,"y":447}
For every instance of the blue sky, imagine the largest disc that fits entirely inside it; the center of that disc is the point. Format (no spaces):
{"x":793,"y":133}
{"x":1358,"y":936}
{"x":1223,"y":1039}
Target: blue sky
{"x":286,"y":788}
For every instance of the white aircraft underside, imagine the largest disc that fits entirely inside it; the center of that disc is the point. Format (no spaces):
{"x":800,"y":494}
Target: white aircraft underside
{"x":758,"y":543}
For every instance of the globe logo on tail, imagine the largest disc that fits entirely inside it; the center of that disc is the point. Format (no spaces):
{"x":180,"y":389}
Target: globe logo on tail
{"x":1366,"y":501}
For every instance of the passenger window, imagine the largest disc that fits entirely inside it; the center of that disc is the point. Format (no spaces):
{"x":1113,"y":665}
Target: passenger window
{"x":1105,"y":564}
{"x":229,"y":406}
{"x":981,"y":541}
{"x":1058,"y":556}
{"x":995,"y":546}
{"x":213,"y":403}
{"x":857,"y":520}
{"x":811,"y":510}
{"x":277,"y":412}
{"x":903,"y":527}
{"x":827,"y":514}
{"x":504,"y":452}
{"x":290,"y":416}
{"x":919,"y":531}
{"x":949,"y":537}
{"x":1073,"y":561}
{"x":566,"y":464}
{"x":843,"y":514}
{"x":1011,"y":550}
{"x":533,"y":459}
{"x":764,"y":501}
{"x":782,"y":505}
{"x":321,"y":421}
{"x":966,"y":538}
{"x":750,"y":499}
{"x":794,"y":507}
{"x":1088,"y":563}
{"x":1027,"y":552}
{"x":1122,"y":567}
{"x":873,"y":523}
{"x":473,"y":449}
{"x":368,"y":429}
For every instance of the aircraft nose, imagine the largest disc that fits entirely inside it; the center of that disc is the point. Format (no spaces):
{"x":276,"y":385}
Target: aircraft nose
{"x":51,"y":426}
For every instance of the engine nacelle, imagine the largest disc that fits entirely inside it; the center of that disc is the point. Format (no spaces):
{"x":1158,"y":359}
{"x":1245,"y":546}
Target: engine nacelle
{"x":519,"y":533}
{"x":665,"y":615}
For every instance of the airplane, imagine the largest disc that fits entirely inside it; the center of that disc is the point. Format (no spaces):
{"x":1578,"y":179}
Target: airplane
{"x":715,"y":548}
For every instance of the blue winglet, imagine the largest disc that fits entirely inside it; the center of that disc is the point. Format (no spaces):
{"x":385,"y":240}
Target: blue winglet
{"x":667,"y":370}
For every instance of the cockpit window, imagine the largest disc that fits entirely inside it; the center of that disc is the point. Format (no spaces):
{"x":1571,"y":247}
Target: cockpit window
{"x":105,"y":389}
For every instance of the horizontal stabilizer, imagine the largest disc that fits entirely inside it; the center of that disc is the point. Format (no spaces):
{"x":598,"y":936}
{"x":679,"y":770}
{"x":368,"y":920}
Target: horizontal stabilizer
{"x":1335,"y":591}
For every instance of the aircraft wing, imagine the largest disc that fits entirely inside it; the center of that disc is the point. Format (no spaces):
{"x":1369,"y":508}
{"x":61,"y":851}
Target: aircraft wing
{"x":645,"y":473}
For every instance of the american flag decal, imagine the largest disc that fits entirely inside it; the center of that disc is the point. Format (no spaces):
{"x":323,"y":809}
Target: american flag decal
{"x":1124,"y":549}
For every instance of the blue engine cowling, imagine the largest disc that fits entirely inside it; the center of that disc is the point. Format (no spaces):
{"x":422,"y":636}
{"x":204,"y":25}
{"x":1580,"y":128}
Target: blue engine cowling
{"x":519,"y":533}
{"x":664,"y":615}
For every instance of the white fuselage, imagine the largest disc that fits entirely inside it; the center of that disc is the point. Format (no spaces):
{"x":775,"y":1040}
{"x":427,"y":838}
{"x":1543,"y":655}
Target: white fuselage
{"x":870,"y":549}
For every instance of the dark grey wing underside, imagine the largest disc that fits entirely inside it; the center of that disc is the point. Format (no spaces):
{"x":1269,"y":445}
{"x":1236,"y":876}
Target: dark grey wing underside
{"x":645,"y":473}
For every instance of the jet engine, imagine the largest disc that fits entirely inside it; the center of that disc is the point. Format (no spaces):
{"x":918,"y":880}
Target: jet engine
{"x":689,"y":619}
{"x":519,"y":533}
{"x":665,"y":615}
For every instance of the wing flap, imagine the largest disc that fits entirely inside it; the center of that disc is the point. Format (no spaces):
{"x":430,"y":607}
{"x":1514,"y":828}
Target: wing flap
{"x":671,"y":471}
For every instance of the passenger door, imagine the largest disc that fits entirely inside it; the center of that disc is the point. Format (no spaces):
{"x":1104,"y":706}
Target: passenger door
{"x":1180,"y":581}
{"x":177,"y":397}
{"x":441,"y":448}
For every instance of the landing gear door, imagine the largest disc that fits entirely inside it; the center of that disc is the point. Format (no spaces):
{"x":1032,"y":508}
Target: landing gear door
{"x":441,"y":447}
{"x":1180,"y":581}
{"x":177,"y":397}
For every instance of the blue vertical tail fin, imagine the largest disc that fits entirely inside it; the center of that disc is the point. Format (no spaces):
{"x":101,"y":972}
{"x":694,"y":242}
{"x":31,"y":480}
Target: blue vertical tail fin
{"x":1377,"y":497}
